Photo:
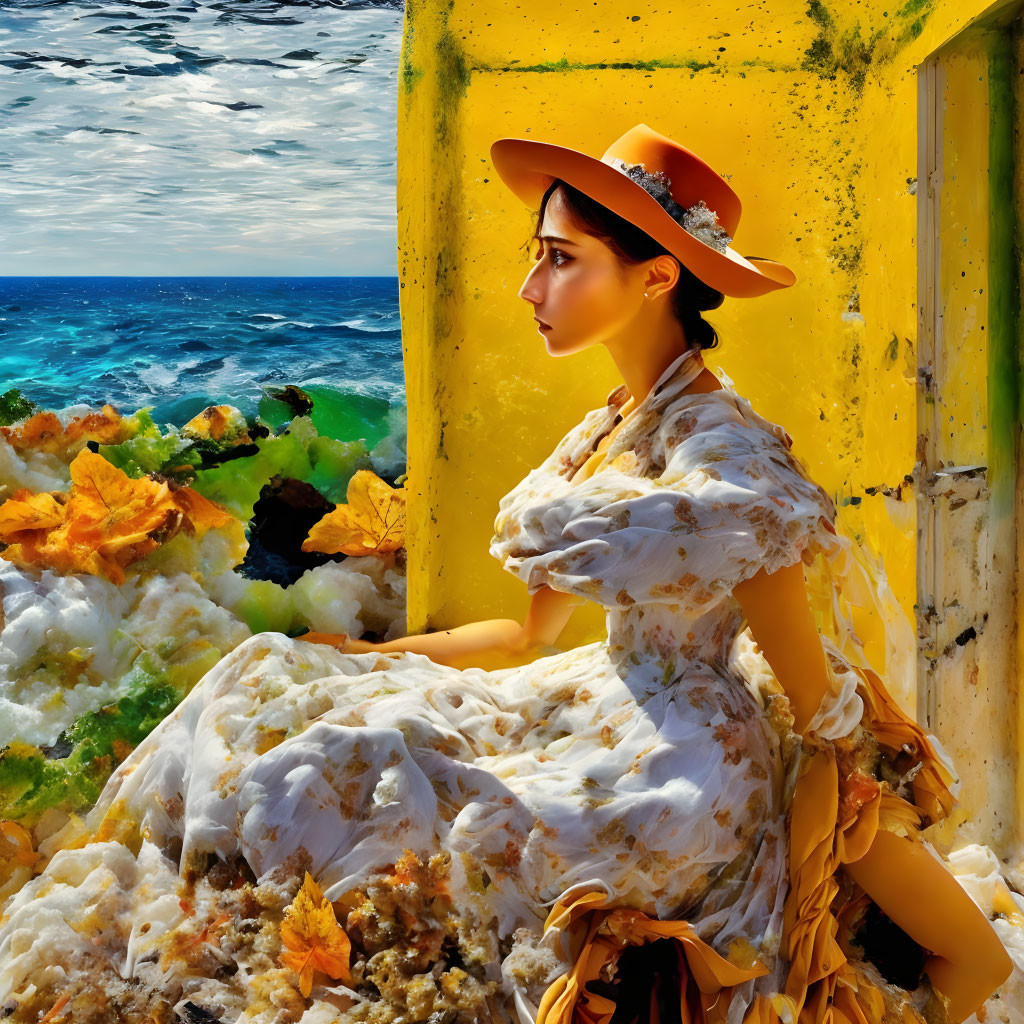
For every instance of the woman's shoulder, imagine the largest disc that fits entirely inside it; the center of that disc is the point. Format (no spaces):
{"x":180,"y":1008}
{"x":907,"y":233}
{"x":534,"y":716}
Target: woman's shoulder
{"x":715,"y":417}
{"x":720,"y":434}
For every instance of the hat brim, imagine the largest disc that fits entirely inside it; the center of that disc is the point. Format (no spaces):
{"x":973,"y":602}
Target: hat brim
{"x":528,"y":168}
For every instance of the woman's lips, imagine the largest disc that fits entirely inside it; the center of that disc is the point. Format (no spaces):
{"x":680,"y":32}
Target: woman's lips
{"x":541,"y":325}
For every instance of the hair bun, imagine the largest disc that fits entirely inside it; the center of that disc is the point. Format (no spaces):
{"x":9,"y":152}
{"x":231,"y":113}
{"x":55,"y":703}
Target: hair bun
{"x":713,"y":301}
{"x":699,"y":331}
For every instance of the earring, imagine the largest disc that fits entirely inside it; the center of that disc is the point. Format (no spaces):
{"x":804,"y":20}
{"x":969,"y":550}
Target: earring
{"x":645,"y":295}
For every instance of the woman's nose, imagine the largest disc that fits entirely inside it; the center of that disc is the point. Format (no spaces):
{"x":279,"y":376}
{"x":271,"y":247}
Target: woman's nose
{"x":530,"y":290}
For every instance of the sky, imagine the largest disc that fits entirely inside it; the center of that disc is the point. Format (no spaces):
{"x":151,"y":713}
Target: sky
{"x":236,"y":137}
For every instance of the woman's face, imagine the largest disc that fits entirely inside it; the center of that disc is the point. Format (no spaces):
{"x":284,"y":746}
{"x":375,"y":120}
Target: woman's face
{"x":577,"y":286}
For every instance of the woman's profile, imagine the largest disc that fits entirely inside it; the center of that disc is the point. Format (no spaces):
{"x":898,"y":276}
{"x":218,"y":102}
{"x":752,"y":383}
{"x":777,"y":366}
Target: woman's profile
{"x":643,"y":828}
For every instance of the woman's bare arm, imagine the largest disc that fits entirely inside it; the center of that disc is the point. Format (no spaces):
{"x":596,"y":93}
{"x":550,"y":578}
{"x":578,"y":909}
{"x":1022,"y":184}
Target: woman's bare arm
{"x":488,"y":643}
{"x":968,"y":961}
{"x":783,"y":626}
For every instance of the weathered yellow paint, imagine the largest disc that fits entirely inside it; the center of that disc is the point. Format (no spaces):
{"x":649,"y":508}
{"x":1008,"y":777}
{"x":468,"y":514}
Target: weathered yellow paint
{"x":811,"y":109}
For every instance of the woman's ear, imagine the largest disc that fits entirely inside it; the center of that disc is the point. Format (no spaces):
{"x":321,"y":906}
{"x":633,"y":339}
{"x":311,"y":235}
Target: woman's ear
{"x":662,"y":275}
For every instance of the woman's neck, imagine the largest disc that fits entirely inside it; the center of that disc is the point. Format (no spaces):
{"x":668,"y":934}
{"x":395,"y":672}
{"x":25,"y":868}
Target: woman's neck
{"x":642,"y":374}
{"x":646,"y":345}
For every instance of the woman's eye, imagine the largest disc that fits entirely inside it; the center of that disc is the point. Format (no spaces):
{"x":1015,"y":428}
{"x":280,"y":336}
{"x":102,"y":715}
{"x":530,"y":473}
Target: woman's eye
{"x":558,"y":257}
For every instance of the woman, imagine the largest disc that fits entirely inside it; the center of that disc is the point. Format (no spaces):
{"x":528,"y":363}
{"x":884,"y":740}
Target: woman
{"x":643,"y":828}
{"x":600,"y":278}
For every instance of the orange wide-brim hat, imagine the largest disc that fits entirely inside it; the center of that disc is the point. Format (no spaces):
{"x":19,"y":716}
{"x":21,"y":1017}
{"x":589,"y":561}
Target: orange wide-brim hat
{"x":529,"y":167}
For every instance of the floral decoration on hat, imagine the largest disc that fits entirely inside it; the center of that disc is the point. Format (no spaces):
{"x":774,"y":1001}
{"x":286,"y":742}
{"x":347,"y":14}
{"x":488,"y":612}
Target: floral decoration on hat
{"x":699,"y":220}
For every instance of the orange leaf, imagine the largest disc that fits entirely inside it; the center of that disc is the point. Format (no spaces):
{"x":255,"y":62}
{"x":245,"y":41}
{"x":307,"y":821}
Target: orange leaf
{"x":313,"y":938}
{"x":27,"y":511}
{"x":108,"y":521}
{"x":202,"y":513}
{"x":44,"y":432}
{"x":16,"y":843}
{"x":373,"y":521}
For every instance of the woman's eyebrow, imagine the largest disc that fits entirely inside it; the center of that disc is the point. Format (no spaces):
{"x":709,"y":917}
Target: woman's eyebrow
{"x":555,"y":238}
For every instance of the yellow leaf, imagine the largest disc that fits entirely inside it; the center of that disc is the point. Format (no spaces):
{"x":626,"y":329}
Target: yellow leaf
{"x":107,"y":522}
{"x":27,"y":511}
{"x":373,"y":521}
{"x":313,"y":938}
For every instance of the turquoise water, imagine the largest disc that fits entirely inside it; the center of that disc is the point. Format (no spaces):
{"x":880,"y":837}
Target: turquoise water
{"x":180,"y":344}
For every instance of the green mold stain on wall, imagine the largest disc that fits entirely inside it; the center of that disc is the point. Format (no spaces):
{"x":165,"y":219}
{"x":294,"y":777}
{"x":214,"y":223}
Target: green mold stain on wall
{"x":845,"y":49}
{"x":564,"y":65}
{"x":1003,"y":300}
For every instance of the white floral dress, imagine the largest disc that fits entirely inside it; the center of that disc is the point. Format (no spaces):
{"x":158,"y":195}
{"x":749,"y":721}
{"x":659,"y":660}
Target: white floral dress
{"x":646,"y":767}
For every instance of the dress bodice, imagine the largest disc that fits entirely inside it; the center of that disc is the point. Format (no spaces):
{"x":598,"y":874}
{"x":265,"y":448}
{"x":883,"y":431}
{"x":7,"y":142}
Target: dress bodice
{"x":666,"y":634}
{"x":695,"y":493}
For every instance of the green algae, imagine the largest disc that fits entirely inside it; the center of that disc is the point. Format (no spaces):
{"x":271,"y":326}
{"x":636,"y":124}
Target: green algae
{"x":14,"y":406}
{"x":149,"y":451}
{"x":410,"y":74}
{"x":237,"y":484}
{"x":150,"y":697}
{"x":334,"y":463}
{"x":299,"y":452}
{"x":1003,"y":285}
{"x":234,"y":476}
{"x":892,"y":350}
{"x":31,"y":782}
{"x":265,"y":607}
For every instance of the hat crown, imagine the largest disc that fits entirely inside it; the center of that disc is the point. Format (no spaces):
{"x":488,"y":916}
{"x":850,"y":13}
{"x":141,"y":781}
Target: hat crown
{"x":691,"y":179}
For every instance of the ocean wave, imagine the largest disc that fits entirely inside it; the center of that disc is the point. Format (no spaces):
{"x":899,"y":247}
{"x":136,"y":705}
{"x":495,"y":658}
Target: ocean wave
{"x":180,"y":344}
{"x":361,"y":325}
{"x":283,"y":323}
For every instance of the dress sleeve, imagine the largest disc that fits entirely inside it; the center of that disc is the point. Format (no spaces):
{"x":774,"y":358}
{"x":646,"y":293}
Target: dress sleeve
{"x":711,"y":497}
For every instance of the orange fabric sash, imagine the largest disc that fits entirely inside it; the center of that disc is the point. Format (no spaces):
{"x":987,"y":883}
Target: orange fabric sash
{"x":597,"y":936}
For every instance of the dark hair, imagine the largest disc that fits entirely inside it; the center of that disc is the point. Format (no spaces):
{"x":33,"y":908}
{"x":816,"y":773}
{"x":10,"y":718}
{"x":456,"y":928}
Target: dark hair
{"x":631,"y":245}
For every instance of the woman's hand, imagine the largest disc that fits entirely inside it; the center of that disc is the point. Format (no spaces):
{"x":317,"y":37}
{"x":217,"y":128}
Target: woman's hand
{"x":488,"y":644}
{"x":340,"y":641}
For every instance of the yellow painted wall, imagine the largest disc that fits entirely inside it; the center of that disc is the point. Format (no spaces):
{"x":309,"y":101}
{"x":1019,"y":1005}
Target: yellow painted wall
{"x":811,"y":110}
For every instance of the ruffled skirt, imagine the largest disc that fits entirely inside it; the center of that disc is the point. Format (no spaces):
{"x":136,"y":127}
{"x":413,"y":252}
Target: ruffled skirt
{"x":537,"y":823}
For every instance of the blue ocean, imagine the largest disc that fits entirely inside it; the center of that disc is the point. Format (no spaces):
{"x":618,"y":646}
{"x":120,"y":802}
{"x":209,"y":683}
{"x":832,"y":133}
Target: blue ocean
{"x":178,"y":344}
